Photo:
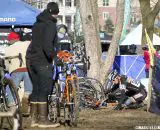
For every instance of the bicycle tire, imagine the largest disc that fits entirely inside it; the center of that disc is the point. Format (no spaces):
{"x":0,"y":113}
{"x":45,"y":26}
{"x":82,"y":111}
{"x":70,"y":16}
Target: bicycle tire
{"x":73,"y":108}
{"x":88,"y":95}
{"x":54,"y":105}
{"x":58,"y":94}
{"x":14,"y":93}
{"x":96,"y":85}
{"x":2,"y":110}
{"x":75,"y":85}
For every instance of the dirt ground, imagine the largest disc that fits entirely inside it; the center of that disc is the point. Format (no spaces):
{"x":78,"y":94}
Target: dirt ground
{"x":109,"y":120}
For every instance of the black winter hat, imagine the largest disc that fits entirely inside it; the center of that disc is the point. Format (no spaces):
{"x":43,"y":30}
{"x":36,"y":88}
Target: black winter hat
{"x":53,"y":8}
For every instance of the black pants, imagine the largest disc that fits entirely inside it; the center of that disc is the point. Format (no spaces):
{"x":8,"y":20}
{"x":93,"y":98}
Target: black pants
{"x":147,"y":73}
{"x":41,"y":77}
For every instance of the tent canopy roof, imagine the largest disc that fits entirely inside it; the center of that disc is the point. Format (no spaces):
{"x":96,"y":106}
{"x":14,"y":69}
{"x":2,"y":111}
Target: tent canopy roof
{"x":135,"y":36}
{"x":13,"y":12}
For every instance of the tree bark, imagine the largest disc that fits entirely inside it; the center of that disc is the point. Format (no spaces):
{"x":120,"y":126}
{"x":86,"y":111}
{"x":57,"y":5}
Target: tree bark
{"x":92,"y":40}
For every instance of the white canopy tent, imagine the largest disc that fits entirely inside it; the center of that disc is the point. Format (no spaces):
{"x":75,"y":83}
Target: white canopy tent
{"x":135,"y":36}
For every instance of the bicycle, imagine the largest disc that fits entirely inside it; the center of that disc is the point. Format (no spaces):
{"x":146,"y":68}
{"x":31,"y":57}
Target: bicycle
{"x":9,"y":110}
{"x":90,"y":90}
{"x":65,"y":96}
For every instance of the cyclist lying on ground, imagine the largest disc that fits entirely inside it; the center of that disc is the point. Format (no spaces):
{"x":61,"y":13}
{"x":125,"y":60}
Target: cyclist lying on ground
{"x":127,"y":91}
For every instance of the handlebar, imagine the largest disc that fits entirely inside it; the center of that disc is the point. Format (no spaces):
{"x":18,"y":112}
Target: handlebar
{"x":65,"y":56}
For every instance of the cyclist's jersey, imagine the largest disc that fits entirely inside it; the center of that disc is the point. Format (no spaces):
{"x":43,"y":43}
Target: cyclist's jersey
{"x":130,"y":84}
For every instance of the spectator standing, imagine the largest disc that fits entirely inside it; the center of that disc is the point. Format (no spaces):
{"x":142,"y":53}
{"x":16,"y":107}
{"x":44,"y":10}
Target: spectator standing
{"x":16,"y":65}
{"x":146,"y":59}
{"x":39,"y":60}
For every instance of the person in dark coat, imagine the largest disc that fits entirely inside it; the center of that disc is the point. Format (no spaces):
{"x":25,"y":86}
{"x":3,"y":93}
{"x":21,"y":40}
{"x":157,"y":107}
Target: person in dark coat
{"x":39,"y":60}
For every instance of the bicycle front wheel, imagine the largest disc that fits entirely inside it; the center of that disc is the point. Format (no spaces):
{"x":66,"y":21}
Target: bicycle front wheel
{"x":74,"y":102}
{"x":11,"y":101}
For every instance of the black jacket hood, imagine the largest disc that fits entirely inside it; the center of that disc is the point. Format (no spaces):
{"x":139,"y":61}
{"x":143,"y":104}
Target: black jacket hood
{"x":45,"y":16}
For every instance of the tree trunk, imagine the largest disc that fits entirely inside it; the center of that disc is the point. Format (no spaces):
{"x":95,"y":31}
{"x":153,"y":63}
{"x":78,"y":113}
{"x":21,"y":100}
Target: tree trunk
{"x":93,"y":47}
{"x":92,"y":40}
{"x":106,"y":67}
{"x":148,"y":18}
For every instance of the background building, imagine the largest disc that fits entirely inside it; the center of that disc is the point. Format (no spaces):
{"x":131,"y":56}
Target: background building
{"x":107,"y":10}
{"x":67,"y":10}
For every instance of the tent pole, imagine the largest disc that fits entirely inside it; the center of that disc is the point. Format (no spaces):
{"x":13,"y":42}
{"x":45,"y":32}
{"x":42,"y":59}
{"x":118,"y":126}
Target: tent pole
{"x":118,"y":51}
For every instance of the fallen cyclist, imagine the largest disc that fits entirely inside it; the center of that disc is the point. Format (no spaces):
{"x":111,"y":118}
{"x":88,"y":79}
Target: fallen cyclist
{"x":128,"y":92}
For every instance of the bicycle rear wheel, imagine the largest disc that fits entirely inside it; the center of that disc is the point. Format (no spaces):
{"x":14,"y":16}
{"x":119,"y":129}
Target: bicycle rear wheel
{"x":9,"y":87}
{"x":54,"y":104}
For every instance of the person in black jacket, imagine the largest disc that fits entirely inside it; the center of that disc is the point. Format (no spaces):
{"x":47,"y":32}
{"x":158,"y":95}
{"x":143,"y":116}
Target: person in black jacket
{"x":39,"y":60}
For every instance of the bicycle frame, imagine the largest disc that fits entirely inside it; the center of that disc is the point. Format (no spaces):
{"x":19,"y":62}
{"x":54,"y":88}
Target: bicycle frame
{"x":64,"y":74}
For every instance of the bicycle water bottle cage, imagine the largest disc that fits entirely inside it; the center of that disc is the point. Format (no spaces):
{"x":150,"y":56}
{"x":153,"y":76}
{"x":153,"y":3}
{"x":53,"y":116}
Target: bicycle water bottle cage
{"x":65,"y":56}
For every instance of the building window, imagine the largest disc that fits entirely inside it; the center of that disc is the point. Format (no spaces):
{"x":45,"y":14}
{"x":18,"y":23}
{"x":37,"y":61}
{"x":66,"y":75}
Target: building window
{"x":40,"y":4}
{"x":60,"y":3}
{"x":105,"y":15}
{"x":68,"y":21}
{"x":105,"y":2}
{"x":133,"y":19}
{"x":75,"y":2}
{"x":59,"y":19}
{"x":68,"y":3}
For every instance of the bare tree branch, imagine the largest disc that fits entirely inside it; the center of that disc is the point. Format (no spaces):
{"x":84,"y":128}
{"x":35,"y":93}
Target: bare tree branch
{"x":115,"y":42}
{"x":153,"y":3}
{"x":156,"y":9}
